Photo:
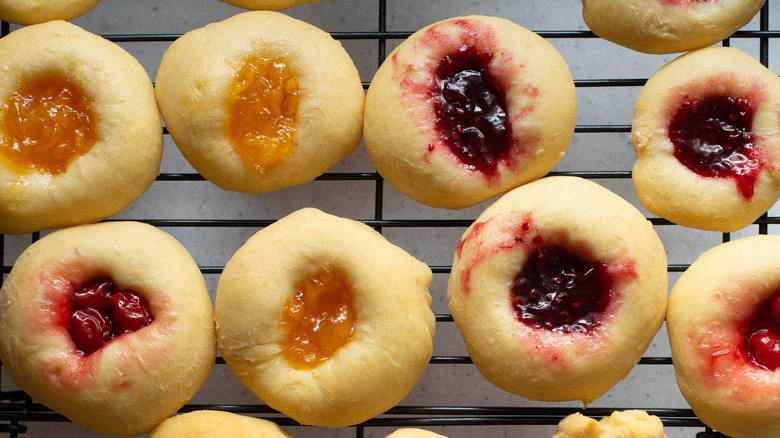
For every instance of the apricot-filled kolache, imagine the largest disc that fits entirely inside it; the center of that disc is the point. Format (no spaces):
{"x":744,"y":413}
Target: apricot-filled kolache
{"x":108,"y":324}
{"x":468,"y":108}
{"x":260,"y":101}
{"x":32,"y":12}
{"x":557,"y":289}
{"x":667,"y":26}
{"x":267,"y":5}
{"x":707,"y":139}
{"x":724,"y":330}
{"x":325,"y":320}
{"x":627,"y":424}
{"x":80,"y":134}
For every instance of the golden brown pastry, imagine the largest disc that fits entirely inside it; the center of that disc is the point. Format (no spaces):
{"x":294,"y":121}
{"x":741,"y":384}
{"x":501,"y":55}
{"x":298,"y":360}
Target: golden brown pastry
{"x":270,"y":5}
{"x":557,"y":289}
{"x":707,"y":140}
{"x":108,"y":324}
{"x":414,"y":433}
{"x":40,"y":11}
{"x":625,"y":424}
{"x":468,"y":108}
{"x":260,"y":101}
{"x":667,"y":26}
{"x":325,"y":320}
{"x":80,"y":134}
{"x":217,"y":424}
{"x":723,"y":323}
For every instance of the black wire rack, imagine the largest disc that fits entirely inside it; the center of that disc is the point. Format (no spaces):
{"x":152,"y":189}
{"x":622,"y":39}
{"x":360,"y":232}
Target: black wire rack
{"x":18,"y":410}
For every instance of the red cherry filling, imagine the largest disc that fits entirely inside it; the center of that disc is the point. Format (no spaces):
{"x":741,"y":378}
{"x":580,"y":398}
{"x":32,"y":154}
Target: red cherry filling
{"x":558,"y":291}
{"x":470,"y":110}
{"x":101,"y":313}
{"x":713,"y":137}
{"x":762,"y":335}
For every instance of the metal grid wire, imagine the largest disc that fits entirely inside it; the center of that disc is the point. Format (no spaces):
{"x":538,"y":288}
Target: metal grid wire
{"x":17,"y":409}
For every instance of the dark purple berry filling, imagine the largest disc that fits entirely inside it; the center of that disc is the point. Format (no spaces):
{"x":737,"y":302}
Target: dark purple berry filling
{"x":713,"y":137}
{"x":558,"y":291}
{"x":471,"y":113}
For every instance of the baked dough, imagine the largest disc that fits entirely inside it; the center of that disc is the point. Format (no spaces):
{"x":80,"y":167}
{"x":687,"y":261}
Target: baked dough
{"x":414,"y":433}
{"x":137,"y":379}
{"x":217,"y":424}
{"x":731,"y":199}
{"x":709,"y":319}
{"x":393,"y":332}
{"x":40,"y":11}
{"x":193,"y":91}
{"x":625,"y":424}
{"x":406,"y":131}
{"x":125,"y":158}
{"x":271,"y":5}
{"x":667,"y":26}
{"x":609,"y":304}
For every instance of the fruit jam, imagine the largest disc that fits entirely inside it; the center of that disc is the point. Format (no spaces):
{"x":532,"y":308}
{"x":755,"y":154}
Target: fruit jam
{"x":762,"y":335}
{"x":262,"y":111}
{"x":471,"y":114}
{"x":558,"y":291}
{"x":49,"y":123}
{"x":713,"y":137}
{"x":319,"y":319}
{"x":101,"y":312}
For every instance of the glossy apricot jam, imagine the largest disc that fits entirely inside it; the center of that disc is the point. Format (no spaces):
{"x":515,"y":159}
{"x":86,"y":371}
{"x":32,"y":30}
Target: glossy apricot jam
{"x":262,"y":111}
{"x":319,"y":319}
{"x":49,"y":123}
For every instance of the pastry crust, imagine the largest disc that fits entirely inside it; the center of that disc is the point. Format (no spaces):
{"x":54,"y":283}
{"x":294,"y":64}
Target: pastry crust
{"x":597,"y":225}
{"x":708,"y":309}
{"x":124,"y":161}
{"x":667,"y":26}
{"x":393,"y":333}
{"x":667,"y":187}
{"x":620,"y":424}
{"x":40,"y":11}
{"x":137,"y":379}
{"x":217,"y":424}
{"x":400,"y":120}
{"x":193,"y":85}
{"x":269,"y":5}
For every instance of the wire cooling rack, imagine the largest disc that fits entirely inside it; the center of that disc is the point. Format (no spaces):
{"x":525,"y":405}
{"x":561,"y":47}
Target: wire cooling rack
{"x":19,"y":414}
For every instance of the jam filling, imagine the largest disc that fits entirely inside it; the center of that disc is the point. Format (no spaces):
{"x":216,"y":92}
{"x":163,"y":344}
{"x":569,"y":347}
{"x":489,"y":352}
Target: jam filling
{"x":713,"y":137}
{"x":558,"y":291}
{"x":471,"y":114}
{"x":100,"y":313}
{"x":262,"y":110}
{"x":49,"y":123}
{"x":319,"y":319}
{"x":762,"y":335}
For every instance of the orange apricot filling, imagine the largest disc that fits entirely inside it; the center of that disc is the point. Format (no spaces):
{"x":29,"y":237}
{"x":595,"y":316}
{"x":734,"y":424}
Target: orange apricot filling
{"x":319,"y":319}
{"x":49,"y":123}
{"x":262,"y":110}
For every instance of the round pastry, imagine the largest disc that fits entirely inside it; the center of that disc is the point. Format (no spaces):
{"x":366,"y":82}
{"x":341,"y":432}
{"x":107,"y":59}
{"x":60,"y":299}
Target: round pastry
{"x":325,"y":320}
{"x":260,"y":101}
{"x":619,"y":424}
{"x":724,"y":329}
{"x":38,"y":11}
{"x":667,"y":26}
{"x":80,"y":134}
{"x":468,"y":108}
{"x":557,"y":289}
{"x":217,"y":424}
{"x":270,"y":5}
{"x":108,"y":324}
{"x":414,"y":433}
{"x":707,"y":139}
